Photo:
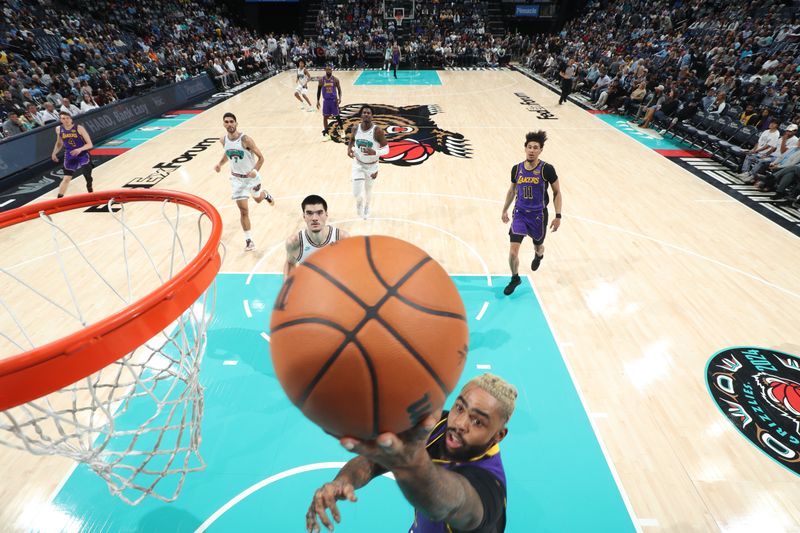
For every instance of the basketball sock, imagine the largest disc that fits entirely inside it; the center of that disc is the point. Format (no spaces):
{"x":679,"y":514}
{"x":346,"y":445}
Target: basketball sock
{"x":247,"y":236}
{"x":537,"y":260}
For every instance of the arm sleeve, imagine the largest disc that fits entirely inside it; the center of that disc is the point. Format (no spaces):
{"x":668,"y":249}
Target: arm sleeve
{"x":514,"y":174}
{"x":549,"y":173}
{"x":492,"y":495}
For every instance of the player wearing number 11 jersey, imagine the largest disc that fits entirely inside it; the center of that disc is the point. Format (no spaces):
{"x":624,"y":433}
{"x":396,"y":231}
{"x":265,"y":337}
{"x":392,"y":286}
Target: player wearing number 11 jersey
{"x":529,"y":183}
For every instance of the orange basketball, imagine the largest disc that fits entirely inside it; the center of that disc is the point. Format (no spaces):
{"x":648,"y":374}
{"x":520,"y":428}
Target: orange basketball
{"x":368,"y":336}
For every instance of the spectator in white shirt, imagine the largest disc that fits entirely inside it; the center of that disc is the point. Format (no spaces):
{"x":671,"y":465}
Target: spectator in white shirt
{"x":88,"y":103}
{"x":49,"y":114}
{"x":69,"y":107}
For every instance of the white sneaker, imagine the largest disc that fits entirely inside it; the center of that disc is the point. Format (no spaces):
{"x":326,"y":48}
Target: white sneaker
{"x":365,"y":214}
{"x":249,"y":245}
{"x":310,"y":109}
{"x":326,"y":138}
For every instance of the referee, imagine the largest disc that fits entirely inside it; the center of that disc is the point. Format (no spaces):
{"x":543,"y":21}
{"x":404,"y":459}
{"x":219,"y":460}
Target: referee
{"x":567,"y":74}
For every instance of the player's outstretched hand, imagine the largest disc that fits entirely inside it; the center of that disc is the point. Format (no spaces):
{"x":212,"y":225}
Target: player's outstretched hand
{"x":554,"y":225}
{"x":394,"y":452}
{"x":504,"y":218}
{"x":325,"y":498}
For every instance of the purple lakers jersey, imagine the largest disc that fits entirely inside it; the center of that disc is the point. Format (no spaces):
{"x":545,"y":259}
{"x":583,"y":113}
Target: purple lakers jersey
{"x":71,"y":138}
{"x":329,"y":88}
{"x":531,"y":187}
{"x":489,"y":462}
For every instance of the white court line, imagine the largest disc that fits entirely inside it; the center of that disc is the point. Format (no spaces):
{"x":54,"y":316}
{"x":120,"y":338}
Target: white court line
{"x":599,"y":415}
{"x":230,"y":362}
{"x":482,"y":311}
{"x":247,"y":308}
{"x":728,"y":201}
{"x":266,"y":482}
{"x":585,"y":406}
{"x":265,"y":336}
{"x":483,"y":367}
{"x":648,"y":522}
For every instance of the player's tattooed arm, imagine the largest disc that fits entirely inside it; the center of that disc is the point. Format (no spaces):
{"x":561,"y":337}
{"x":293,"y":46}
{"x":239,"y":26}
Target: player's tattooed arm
{"x":359,"y":471}
{"x":292,"y":253}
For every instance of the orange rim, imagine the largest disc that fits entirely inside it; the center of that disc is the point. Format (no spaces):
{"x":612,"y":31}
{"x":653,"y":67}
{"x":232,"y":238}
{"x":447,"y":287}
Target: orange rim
{"x":48,"y":368}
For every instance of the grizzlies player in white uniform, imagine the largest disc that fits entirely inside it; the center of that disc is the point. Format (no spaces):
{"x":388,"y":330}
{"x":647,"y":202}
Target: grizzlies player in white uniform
{"x":301,"y":90}
{"x":246,"y":160}
{"x":367,"y":144}
{"x":317,"y":233}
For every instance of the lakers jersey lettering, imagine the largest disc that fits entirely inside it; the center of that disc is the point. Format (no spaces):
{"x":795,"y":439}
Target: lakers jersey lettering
{"x":329,"y":88}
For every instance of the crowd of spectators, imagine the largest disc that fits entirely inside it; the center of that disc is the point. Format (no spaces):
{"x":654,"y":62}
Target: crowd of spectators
{"x":357,"y":33}
{"x":662,"y":62}
{"x":69,"y":55}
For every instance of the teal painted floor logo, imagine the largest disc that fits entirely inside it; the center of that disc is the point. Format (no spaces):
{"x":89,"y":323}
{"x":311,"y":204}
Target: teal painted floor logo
{"x":759,"y":392}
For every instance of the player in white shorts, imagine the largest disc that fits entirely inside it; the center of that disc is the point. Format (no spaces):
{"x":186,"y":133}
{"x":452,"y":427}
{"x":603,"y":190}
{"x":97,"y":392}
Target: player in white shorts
{"x":367,"y":144}
{"x":246,"y":160}
{"x":317,"y":233}
{"x":303,"y":78}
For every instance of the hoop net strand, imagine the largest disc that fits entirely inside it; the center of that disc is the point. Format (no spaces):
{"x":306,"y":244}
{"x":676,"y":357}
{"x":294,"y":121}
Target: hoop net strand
{"x":136,"y":422}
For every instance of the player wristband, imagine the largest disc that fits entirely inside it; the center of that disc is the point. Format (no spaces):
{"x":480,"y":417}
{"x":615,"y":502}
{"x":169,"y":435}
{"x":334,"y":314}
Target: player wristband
{"x":558,"y":215}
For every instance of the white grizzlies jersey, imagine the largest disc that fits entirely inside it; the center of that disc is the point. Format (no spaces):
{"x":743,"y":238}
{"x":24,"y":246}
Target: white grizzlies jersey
{"x":307,"y":247}
{"x":302,"y":79}
{"x":242,"y":160}
{"x":366,"y":139}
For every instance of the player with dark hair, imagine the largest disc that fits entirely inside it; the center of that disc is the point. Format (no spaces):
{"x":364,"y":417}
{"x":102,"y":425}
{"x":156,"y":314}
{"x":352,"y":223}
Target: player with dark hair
{"x":529,"y":182}
{"x":317,"y":233}
{"x":366,"y":146}
{"x":331,"y":91}
{"x":301,"y":90}
{"x":246,"y":160}
{"x":448,"y":467}
{"x":76,"y":143}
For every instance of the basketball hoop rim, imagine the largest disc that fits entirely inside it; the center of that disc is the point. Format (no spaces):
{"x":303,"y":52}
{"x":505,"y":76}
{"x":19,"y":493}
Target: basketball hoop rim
{"x":50,"y":367}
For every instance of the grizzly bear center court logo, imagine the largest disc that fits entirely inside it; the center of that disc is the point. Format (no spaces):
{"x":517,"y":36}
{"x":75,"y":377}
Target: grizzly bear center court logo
{"x":759,"y":392}
{"x":411,"y":133}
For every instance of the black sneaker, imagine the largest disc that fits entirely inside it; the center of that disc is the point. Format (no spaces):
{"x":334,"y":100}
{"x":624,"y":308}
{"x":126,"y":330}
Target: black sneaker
{"x":537,"y":260}
{"x":513,"y":284}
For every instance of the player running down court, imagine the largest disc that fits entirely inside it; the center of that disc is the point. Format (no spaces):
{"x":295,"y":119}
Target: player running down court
{"x":77,"y":143}
{"x":529,"y":182}
{"x":448,"y":467}
{"x":246,"y":160}
{"x":316,"y":235}
{"x":366,"y":145}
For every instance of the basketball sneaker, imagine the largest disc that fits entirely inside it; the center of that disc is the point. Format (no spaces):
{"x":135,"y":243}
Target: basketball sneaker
{"x":537,"y":260}
{"x":513,"y":284}
{"x":365,"y":212}
{"x":249,"y":245}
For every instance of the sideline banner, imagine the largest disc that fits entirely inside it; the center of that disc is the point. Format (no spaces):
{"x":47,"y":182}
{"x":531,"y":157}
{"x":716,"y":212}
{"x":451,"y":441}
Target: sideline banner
{"x":26,"y":150}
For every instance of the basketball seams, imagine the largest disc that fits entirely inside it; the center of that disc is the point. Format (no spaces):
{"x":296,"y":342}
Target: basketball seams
{"x":392,"y":291}
{"x":413,"y":305}
{"x":336,"y":283}
{"x":371,"y":312}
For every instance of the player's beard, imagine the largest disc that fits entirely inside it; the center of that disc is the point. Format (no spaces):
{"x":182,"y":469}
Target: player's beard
{"x":466,"y":452}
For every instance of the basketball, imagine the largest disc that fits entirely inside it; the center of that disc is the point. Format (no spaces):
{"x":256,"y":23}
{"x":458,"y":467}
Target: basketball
{"x":368,"y":336}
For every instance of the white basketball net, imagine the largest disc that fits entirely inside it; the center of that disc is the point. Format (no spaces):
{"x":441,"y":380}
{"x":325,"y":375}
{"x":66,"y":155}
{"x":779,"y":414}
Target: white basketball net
{"x":136,"y":423}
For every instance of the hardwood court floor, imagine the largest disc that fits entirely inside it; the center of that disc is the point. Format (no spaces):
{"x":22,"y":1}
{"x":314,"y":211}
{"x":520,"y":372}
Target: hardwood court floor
{"x":651,"y":273}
